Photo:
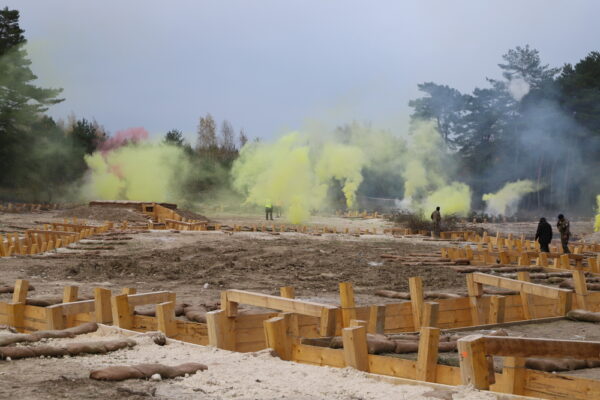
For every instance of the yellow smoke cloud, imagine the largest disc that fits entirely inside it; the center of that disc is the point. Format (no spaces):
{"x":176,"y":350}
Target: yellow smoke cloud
{"x":143,"y":172}
{"x":454,"y":198}
{"x":506,"y":200}
{"x":597,"y":223}
{"x":295,"y":173}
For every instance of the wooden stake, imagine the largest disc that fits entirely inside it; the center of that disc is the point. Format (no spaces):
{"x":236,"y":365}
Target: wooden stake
{"x":102,"y":305}
{"x":475,"y":291}
{"x":276,"y":337}
{"x":581,"y":291}
{"x":120,"y":311}
{"x":376,"y":319}
{"x":497,"y":307}
{"x":287,"y":291}
{"x":221,"y":330}
{"x":429,"y":340}
{"x":165,"y":316}
{"x":355,"y":348}
{"x":347,"y":303}
{"x":473,"y":363}
{"x":70,"y":294}
{"x":513,"y":376}
{"x":526,"y":299}
{"x":430,"y":314}
{"x":20,"y":292}
{"x":415,"y":285}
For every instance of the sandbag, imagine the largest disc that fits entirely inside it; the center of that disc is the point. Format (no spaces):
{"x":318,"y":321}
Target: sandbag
{"x":11,"y":289}
{"x":555,"y":364}
{"x":406,"y":346}
{"x":195,"y":313}
{"x":88,"y":327}
{"x":379,"y":345}
{"x":179,"y":310}
{"x":71,"y":349}
{"x":145,"y":371}
{"x":445,"y":347}
{"x":584,"y":315}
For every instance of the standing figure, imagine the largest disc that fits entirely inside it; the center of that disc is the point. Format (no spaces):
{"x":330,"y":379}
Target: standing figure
{"x":269,"y":209}
{"x":565,"y":232}
{"x":436,"y":217}
{"x":544,"y":235}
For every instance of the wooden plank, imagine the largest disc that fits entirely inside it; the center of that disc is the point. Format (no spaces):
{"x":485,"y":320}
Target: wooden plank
{"x":347,"y":303}
{"x":556,"y":386}
{"x":550,"y":348}
{"x":165,"y":315}
{"x":415,"y":285}
{"x":250,"y":321}
{"x":427,"y":356}
{"x":512,"y":284}
{"x":102,"y":305}
{"x":316,"y":355}
{"x":34,"y":312}
{"x":497,"y":309}
{"x":526,"y":299}
{"x":120,"y":311}
{"x":20,"y":292}
{"x":276,"y":338}
{"x":473,"y":363}
{"x":430,"y":314}
{"x":392,"y":366}
{"x":355,"y":347}
{"x":150,"y":298}
{"x":276,"y":303}
{"x":376,"y":322}
{"x":513,"y":376}
{"x":77,"y":307}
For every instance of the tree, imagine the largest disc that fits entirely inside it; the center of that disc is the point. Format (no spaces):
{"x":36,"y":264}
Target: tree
{"x":242,"y":138}
{"x":207,"y":136}
{"x":525,"y":63}
{"x":88,"y":135}
{"x":227,"y":137}
{"x":21,"y":102}
{"x":174,"y":137}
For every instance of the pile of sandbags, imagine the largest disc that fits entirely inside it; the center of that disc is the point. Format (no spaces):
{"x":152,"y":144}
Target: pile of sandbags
{"x":146,"y":371}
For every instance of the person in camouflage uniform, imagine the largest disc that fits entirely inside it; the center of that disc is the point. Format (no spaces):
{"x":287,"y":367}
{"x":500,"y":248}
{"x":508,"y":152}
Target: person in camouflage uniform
{"x":565,"y":232}
{"x":436,"y":217}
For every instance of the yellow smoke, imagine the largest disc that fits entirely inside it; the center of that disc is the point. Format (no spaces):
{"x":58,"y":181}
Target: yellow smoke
{"x":143,"y":172}
{"x":506,"y":200}
{"x":296,"y":173}
{"x":597,"y":223}
{"x":426,"y":174}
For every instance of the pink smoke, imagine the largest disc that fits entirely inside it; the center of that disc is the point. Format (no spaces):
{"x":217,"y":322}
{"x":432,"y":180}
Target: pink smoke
{"x":121,"y":138}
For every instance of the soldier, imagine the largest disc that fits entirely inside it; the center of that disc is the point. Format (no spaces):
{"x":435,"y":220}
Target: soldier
{"x":269,"y":209}
{"x":565,"y":232}
{"x":436,"y":217}
{"x":544,"y":235}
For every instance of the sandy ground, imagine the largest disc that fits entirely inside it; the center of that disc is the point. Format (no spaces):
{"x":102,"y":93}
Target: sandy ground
{"x":230,"y":375}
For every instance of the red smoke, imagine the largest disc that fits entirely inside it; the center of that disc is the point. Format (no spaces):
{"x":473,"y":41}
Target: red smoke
{"x":121,"y":138}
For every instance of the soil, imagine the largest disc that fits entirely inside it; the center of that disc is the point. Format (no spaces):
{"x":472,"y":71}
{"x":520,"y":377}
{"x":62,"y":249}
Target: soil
{"x":102,"y":214}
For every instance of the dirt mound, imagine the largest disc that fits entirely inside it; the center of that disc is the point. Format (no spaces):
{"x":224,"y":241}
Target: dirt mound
{"x":116,"y":214}
{"x":191,"y":215}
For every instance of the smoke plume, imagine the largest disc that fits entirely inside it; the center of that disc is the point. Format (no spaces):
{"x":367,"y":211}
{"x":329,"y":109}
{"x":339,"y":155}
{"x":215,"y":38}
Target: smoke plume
{"x":506,"y":200}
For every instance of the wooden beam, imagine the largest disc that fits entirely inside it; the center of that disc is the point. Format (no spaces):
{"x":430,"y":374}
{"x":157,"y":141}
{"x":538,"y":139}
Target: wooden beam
{"x":347,"y":303}
{"x":474,"y":368}
{"x":497,"y":309}
{"x":549,"y":348}
{"x":102,"y":305}
{"x":165,"y":318}
{"x":230,"y":307}
{"x":355,"y":348}
{"x":120,"y":311}
{"x":475,"y":291}
{"x":70,"y":294}
{"x":54,"y":318}
{"x":513,"y":376}
{"x":276,"y":302}
{"x":430,"y":314}
{"x":221,"y":332}
{"x":276,"y":337}
{"x":376,"y":319}
{"x":149,"y":298}
{"x":328,"y":323}
{"x":520,"y":286}
{"x":415,"y":285}
{"x":427,"y":357}
{"x":581,"y":291}
{"x":527,"y":301}
{"x":15,"y":313}
{"x":20,"y":292}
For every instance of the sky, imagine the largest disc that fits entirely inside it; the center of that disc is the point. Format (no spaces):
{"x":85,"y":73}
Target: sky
{"x":273,"y":66}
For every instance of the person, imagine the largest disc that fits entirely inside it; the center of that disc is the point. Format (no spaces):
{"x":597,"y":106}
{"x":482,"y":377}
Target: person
{"x":269,"y":209}
{"x":436,"y":217}
{"x":565,"y":232}
{"x":544,"y":235}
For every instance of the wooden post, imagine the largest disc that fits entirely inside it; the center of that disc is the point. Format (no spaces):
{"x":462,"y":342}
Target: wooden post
{"x":120,"y":311}
{"x":287,"y":291}
{"x":165,"y":316}
{"x":497,"y":307}
{"x":328,"y":324}
{"x":20,"y":293}
{"x":475,"y":291}
{"x":504,"y":259}
{"x":564,"y":261}
{"x":542,"y":259}
{"x":524,"y":260}
{"x":220,"y":329}
{"x":474,"y":368}
{"x":376,"y":319}
{"x":16,"y":315}
{"x":347,"y":303}
{"x":356,"y":354}
{"x":526,"y":299}
{"x":129,"y":291}
{"x":430,"y":314}
{"x":102,"y":305}
{"x":564,"y":303}
{"x":593,"y":264}
{"x":415,"y":285}
{"x":429,"y":340}
{"x":513,"y":376}
{"x":54,"y":317}
{"x":230,"y":307}
{"x":70,"y":294}
{"x":276,"y":337}
{"x":580,"y":288}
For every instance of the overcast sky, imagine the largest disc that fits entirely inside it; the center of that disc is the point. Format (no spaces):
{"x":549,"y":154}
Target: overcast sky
{"x":270,"y":66}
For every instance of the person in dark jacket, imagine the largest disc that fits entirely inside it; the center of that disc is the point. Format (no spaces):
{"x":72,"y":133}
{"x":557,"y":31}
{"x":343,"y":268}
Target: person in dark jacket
{"x":544,"y":235}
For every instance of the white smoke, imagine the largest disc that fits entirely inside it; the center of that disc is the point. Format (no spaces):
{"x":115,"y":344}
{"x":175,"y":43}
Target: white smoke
{"x":518,"y":88}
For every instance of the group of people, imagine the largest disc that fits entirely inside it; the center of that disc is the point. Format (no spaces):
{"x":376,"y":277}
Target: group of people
{"x":543,"y":234}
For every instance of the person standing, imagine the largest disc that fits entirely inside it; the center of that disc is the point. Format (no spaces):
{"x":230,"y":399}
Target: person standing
{"x":544,"y":235}
{"x":269,"y":209}
{"x":436,"y":217}
{"x":565,"y":232}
